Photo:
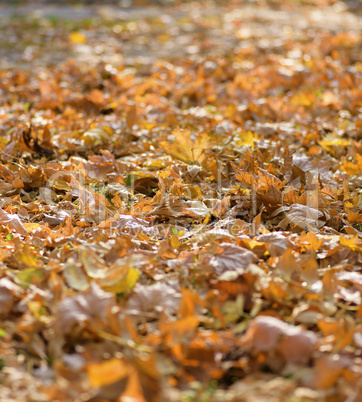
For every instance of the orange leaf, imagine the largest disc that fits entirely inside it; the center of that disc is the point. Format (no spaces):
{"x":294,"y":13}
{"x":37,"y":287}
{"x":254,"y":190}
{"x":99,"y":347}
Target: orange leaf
{"x":107,"y":372}
{"x":327,"y":372}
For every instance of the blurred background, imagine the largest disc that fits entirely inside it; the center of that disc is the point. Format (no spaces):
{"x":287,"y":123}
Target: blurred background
{"x":125,"y":32}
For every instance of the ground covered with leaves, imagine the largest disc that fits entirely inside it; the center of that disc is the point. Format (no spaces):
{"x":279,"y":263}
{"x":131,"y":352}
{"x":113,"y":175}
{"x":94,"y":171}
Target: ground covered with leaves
{"x":181,"y":203}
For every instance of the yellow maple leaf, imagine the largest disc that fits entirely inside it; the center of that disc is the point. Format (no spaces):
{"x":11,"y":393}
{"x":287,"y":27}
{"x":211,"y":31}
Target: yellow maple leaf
{"x":247,"y":139}
{"x":353,"y":243}
{"x":185,"y":148}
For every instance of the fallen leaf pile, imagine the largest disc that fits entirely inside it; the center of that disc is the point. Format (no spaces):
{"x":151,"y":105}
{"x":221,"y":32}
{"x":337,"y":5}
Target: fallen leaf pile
{"x":180,"y":211}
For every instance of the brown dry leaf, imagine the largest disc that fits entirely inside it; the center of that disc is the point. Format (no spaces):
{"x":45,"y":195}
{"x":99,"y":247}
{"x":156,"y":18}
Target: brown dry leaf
{"x":126,"y":224}
{"x":146,"y":185}
{"x":150,"y":301}
{"x":268,"y":334}
{"x":189,"y":303}
{"x":9,"y":291}
{"x":144,"y":380}
{"x":6,"y":301}
{"x":303,"y":217}
{"x":327,"y":371}
{"x":168,"y":247}
{"x":268,"y":189}
{"x":133,"y":389}
{"x":177,"y":207}
{"x":86,"y":308}
{"x":277,"y":243}
{"x":120,"y":248}
{"x":341,"y":330}
{"x":246,"y":178}
{"x":308,"y":164}
{"x":180,"y":330}
{"x":221,"y":207}
{"x":288,"y":264}
{"x":230,"y":257}
{"x":131,"y":116}
{"x":12,"y":221}
{"x":93,"y":204}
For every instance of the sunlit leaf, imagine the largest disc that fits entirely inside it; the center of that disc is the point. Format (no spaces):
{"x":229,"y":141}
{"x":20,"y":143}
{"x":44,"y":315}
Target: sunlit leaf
{"x":247,"y":138}
{"x":354,"y":243}
{"x":107,"y":372}
{"x":186,"y":148}
{"x":77,"y":37}
{"x":27,"y":258}
{"x":29,"y":226}
{"x":75,"y":276}
{"x":180,"y":202}
{"x":331,"y":142}
{"x":124,"y":282}
{"x":96,"y":136}
{"x":29,"y":276}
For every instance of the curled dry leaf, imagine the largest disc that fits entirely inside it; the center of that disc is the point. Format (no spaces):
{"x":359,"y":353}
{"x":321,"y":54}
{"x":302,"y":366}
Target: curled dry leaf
{"x":230,"y":257}
{"x":126,"y":223}
{"x":121,"y":276}
{"x":268,"y":188}
{"x":148,"y":302}
{"x":302,"y":217}
{"x":74,"y":275}
{"x":9,"y":291}
{"x":269,"y":334}
{"x":12,"y":221}
{"x":276,"y":242}
{"x":177,"y":207}
{"x":86,"y":308}
{"x":96,"y":136}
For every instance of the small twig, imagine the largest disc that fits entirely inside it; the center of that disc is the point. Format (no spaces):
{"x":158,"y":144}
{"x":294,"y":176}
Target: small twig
{"x":128,"y":343}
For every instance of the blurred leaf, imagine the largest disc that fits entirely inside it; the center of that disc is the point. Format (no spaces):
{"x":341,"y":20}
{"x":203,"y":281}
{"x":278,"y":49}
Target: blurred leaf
{"x":269,"y":334}
{"x":247,"y":138}
{"x":124,"y":282}
{"x":82,"y":309}
{"x":107,"y":372}
{"x":30,"y":276}
{"x":75,"y":276}
{"x":96,"y":136}
{"x":77,"y":38}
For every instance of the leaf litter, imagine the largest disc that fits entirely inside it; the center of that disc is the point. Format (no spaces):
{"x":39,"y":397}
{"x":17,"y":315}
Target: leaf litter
{"x":180,"y":209}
